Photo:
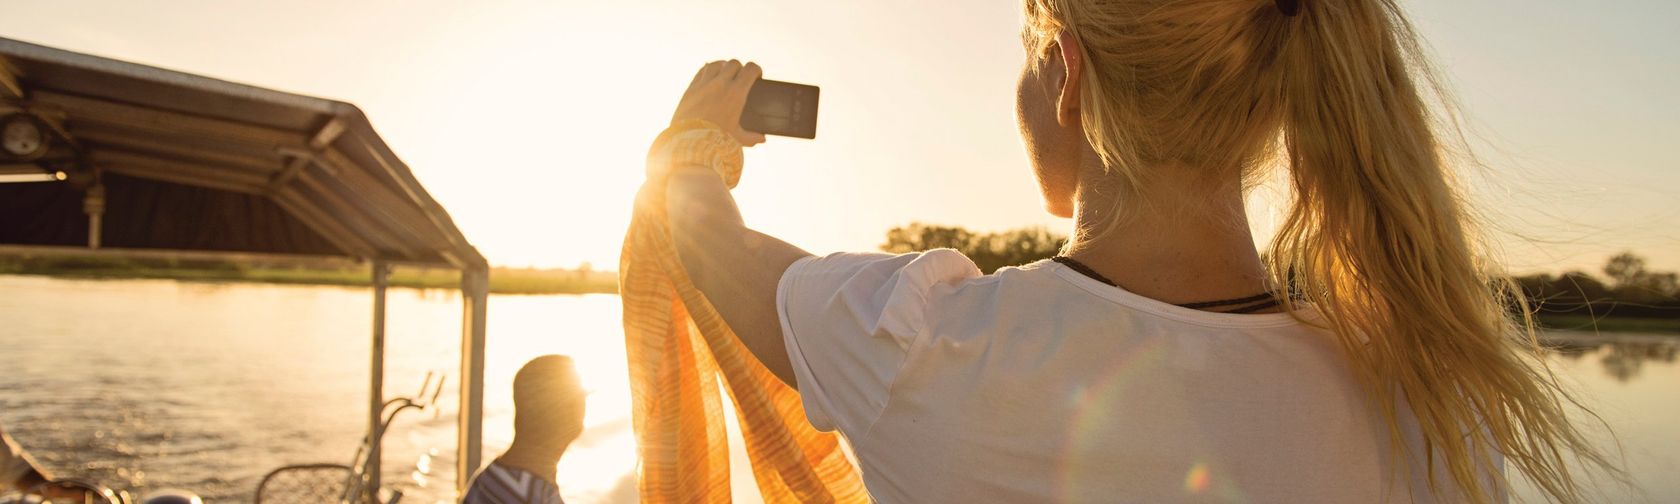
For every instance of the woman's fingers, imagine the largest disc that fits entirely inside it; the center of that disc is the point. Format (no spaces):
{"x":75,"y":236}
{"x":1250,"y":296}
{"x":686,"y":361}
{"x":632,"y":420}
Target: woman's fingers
{"x":728,"y":70}
{"x":749,"y":73}
{"x":715,"y":72}
{"x":714,"y":68}
{"x":745,"y":79}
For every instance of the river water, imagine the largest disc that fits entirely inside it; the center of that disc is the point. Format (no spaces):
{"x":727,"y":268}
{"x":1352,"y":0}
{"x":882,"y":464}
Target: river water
{"x":147,"y":384}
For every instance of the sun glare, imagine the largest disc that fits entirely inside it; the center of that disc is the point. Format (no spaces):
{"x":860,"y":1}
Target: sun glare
{"x":1197,"y":479}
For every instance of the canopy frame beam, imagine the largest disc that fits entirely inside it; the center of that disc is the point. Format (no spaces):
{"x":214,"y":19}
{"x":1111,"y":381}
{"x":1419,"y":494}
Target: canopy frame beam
{"x":376,"y":380}
{"x":475,"y":297}
{"x":10,"y":88}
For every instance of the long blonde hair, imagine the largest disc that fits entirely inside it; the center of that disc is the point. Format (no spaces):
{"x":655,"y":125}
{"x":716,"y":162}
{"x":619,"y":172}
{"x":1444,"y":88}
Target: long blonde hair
{"x":1378,"y":237}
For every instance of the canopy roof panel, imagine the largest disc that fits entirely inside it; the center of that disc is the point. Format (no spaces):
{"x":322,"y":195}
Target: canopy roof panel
{"x":166,"y":160}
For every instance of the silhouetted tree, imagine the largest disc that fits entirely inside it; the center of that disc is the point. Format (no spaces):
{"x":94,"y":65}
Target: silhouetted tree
{"x":918,"y":237}
{"x":1625,"y":269}
{"x":1633,"y":282}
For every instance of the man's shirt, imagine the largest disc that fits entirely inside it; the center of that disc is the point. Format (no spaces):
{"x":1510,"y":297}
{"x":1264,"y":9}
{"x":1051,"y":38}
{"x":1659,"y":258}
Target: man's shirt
{"x":499,"y":484}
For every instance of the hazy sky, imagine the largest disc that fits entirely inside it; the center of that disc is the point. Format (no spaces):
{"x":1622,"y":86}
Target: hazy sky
{"x":528,"y":120}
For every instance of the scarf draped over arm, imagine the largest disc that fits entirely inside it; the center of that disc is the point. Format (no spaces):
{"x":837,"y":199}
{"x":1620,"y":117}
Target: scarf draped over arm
{"x":678,"y":348}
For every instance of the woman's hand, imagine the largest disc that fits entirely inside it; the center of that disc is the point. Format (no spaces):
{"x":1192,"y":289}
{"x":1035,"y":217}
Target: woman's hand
{"x":718,"y":94}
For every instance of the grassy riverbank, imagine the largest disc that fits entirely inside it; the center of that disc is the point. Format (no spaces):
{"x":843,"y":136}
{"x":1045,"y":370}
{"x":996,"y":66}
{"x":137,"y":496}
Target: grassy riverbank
{"x":502,"y":280}
{"x":1610,"y":324}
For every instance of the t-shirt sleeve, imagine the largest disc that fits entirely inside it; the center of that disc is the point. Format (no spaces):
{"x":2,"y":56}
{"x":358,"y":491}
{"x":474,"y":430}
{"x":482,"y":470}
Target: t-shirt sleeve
{"x":849,"y":320}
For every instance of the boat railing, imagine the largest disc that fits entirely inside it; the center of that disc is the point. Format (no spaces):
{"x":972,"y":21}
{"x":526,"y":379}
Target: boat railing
{"x":346,"y":484}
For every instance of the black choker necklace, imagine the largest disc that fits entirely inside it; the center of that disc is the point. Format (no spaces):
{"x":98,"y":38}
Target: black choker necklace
{"x":1248,"y":304}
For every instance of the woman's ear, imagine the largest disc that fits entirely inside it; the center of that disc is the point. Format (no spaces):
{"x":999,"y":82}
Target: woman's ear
{"x":1073,"y":65}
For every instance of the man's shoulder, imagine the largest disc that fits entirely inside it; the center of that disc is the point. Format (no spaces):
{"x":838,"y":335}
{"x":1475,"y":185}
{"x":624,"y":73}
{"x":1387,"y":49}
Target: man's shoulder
{"x":500,"y":484}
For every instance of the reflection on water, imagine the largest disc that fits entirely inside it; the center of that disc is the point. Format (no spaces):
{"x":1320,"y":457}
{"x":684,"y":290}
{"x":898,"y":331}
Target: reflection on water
{"x":150,"y":384}
{"x":1620,"y":357}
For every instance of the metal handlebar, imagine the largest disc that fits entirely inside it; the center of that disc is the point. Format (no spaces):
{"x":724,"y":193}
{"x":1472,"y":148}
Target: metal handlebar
{"x":355,"y":486}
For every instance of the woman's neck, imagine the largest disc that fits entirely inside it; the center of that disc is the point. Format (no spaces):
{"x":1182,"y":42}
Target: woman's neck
{"x":1191,"y":245}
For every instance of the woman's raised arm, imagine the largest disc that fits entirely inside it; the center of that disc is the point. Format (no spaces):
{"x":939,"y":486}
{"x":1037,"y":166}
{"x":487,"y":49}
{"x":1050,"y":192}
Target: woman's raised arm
{"x":735,"y":267}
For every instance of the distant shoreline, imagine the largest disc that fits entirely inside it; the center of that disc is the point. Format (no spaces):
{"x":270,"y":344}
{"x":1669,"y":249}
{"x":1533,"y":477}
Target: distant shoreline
{"x":502,"y":280}
{"x":526,"y":281}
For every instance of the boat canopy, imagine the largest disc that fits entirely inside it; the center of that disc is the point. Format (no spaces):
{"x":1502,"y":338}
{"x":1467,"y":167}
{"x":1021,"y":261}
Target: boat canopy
{"x":130,"y":160}
{"x":194,"y":163}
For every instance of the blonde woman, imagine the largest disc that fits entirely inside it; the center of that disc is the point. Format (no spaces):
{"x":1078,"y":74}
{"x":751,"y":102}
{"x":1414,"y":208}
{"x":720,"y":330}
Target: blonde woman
{"x":1363,"y":357}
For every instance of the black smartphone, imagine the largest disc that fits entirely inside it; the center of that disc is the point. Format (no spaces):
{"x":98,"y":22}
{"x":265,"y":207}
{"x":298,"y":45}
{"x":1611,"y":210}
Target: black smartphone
{"x":781,"y":108}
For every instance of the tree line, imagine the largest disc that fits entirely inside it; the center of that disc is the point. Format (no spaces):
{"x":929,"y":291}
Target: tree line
{"x":989,"y":251}
{"x":1628,"y":288}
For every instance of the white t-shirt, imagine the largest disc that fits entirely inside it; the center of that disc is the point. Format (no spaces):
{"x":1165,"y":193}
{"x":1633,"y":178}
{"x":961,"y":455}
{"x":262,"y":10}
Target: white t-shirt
{"x":1038,"y":384}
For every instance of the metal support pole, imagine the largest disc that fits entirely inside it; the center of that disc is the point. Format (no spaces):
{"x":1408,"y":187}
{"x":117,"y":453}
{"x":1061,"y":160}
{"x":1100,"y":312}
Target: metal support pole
{"x":376,"y":379}
{"x":475,"y":297}
{"x":93,"y":204}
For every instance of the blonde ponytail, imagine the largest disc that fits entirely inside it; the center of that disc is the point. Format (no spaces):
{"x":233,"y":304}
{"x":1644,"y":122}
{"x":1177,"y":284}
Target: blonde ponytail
{"x":1378,"y":239}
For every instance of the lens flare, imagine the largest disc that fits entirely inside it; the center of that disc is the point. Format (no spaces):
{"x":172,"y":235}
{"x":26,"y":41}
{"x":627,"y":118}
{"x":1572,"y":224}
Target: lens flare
{"x":1118,"y":419}
{"x":1197,"y":480}
{"x":1095,"y":407}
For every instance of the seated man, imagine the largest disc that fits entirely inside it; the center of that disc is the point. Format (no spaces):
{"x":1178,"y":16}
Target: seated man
{"x":547,"y":417}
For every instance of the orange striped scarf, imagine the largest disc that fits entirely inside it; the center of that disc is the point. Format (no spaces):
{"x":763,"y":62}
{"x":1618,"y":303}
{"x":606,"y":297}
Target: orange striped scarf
{"x":677,"y":345}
